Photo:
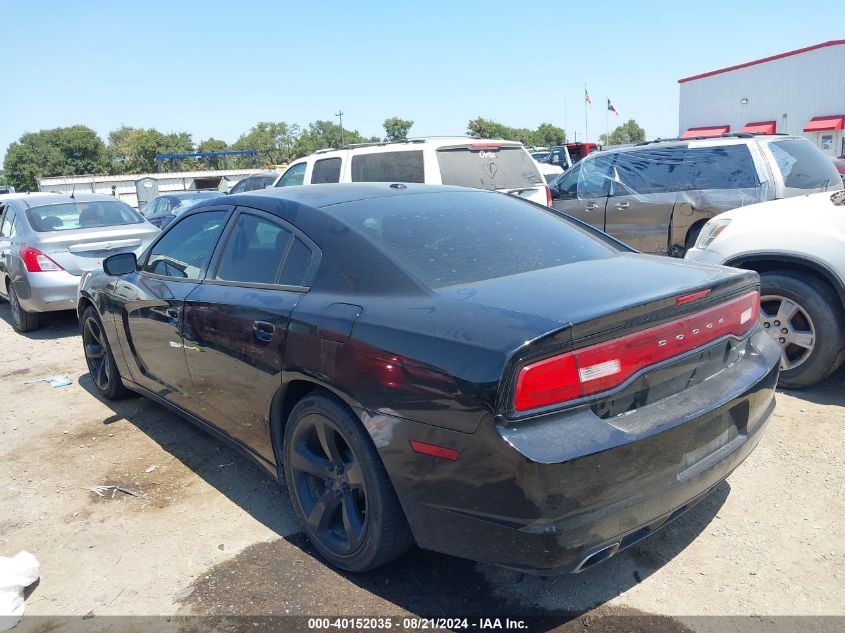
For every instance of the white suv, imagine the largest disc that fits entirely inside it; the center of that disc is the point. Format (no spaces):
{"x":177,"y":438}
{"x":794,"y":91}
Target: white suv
{"x":490,"y":164}
{"x":798,"y":247}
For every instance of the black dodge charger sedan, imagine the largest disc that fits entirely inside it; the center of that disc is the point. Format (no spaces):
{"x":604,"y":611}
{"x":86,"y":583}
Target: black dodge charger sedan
{"x":455,"y":368}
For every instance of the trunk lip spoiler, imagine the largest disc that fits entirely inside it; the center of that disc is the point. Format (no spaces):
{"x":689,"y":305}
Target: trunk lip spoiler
{"x":104,"y":245}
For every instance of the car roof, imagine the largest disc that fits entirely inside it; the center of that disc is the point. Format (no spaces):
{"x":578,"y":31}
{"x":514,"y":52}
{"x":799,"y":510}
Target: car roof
{"x":405,"y":144}
{"x":42,"y":198}
{"x":727,"y":139}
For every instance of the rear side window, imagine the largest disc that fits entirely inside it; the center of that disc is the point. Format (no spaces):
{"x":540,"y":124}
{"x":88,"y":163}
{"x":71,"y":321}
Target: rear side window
{"x":649,"y":171}
{"x":719,"y":167}
{"x":297,"y":264}
{"x":447,"y":239}
{"x":488,"y":168}
{"x":326,"y":171}
{"x":803,"y":166}
{"x":184,"y":249}
{"x":388,"y":167}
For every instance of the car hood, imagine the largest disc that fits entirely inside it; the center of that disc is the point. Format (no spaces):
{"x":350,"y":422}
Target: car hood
{"x":796,"y":204}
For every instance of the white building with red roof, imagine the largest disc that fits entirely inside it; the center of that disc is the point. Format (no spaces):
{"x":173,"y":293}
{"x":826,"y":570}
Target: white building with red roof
{"x":798,"y":92}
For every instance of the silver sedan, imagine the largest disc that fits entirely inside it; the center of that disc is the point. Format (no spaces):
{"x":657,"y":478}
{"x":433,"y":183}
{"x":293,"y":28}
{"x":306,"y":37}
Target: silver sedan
{"x":48,"y":240}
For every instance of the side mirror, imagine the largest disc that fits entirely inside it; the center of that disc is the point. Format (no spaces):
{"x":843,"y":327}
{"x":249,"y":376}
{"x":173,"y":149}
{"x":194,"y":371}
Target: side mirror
{"x":120,"y":264}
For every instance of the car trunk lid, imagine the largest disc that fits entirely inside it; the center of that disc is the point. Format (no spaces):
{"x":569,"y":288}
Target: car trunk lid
{"x":81,"y":250}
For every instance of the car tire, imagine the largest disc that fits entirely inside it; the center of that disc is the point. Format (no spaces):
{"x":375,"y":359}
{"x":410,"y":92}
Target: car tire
{"x":339,"y":487}
{"x":98,"y":355}
{"x":819,"y":312}
{"x":22,"y":320}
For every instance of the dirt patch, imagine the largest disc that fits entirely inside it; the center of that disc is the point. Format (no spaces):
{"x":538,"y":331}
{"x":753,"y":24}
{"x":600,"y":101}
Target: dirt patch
{"x":17,"y":372}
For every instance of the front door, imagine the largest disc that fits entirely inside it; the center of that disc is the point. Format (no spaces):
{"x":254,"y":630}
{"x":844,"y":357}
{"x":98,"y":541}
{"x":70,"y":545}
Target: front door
{"x":582,"y":191}
{"x":236,"y":323}
{"x":150,"y":326}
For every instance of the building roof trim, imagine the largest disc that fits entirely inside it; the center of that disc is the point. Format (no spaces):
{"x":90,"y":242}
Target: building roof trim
{"x":763,"y":60}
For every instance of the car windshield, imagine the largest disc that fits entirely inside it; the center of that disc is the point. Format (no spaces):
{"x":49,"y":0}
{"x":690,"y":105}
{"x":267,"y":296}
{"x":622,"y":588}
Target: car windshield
{"x":185,"y":202}
{"x":81,"y":215}
{"x":448,"y":239}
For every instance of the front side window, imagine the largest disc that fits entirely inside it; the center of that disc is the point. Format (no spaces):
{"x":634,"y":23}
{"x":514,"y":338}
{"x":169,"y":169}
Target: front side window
{"x":326,"y":171}
{"x":295,"y":175}
{"x":254,"y":251}
{"x":388,"y":167}
{"x":802,"y":165}
{"x":81,"y":215}
{"x":184,"y":250}
{"x":594,"y":177}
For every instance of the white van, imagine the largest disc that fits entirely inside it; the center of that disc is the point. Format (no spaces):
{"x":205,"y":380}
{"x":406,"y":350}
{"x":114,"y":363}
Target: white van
{"x":491,"y":164}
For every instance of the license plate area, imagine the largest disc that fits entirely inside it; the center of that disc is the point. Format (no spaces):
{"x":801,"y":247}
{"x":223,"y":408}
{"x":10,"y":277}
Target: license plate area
{"x":714,"y":439}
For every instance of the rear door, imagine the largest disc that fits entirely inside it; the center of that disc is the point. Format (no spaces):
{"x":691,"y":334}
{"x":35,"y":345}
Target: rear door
{"x":495,"y":166}
{"x":150,"y":330}
{"x":7,"y":232}
{"x":582,"y":191}
{"x":236,"y":323}
{"x":645,"y":187}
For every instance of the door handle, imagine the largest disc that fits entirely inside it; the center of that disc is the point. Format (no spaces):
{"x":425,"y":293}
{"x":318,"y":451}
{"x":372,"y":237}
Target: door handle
{"x":622,"y":205}
{"x":263,"y":331}
{"x":591,"y":206}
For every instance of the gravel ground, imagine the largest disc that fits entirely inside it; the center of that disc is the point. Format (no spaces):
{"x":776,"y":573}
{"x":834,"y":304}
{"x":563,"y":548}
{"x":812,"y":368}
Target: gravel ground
{"x":197,"y":529}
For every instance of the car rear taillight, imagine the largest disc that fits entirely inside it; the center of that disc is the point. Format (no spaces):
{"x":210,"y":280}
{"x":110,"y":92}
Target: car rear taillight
{"x":36,"y":261}
{"x":601,"y":367}
{"x":549,"y":196}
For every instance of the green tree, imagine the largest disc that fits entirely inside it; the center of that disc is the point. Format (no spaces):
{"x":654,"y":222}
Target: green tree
{"x":546,"y":134}
{"x":61,"y":151}
{"x":133,"y":150}
{"x":274,"y":141}
{"x":396,"y":129}
{"x":628,"y":132}
{"x":325,"y":134}
{"x":213,"y":145}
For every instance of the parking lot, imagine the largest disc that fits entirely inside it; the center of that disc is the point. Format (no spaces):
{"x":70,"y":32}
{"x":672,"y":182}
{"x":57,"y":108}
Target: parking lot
{"x":194,"y":528}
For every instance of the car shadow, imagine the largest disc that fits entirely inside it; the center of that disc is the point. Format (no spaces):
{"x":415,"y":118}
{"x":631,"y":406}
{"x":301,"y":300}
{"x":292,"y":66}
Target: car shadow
{"x":829,"y":391}
{"x":53,"y":325}
{"x":421,"y":582}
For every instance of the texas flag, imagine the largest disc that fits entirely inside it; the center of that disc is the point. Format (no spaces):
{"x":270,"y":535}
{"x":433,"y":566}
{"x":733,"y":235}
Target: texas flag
{"x":611,"y":108}
{"x":587,"y":99}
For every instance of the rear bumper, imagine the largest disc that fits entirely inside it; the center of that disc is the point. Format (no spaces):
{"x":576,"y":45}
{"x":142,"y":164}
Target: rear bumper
{"x":47,"y":291}
{"x":552,"y":496}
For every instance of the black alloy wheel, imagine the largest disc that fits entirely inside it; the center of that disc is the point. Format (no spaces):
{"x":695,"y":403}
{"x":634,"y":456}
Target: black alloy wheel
{"x":339,"y":487}
{"x":98,"y":356}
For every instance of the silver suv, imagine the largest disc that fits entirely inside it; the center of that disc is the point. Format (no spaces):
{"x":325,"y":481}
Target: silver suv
{"x":47,"y":240}
{"x":657,"y":196}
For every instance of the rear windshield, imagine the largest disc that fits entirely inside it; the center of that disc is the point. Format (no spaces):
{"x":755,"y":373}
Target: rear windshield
{"x":803,"y":165}
{"x":447,"y":239}
{"x":81,"y":215}
{"x":388,"y":167}
{"x":488,"y":168}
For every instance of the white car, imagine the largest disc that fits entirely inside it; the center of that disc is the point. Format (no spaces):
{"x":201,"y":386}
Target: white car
{"x":798,"y":247}
{"x":549,"y":172}
{"x":491,"y":164}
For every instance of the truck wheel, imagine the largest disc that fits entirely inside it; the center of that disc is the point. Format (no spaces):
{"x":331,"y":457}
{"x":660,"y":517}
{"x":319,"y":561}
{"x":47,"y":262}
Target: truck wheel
{"x":803,"y":315}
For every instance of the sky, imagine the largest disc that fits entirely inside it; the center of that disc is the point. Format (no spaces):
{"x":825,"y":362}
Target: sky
{"x":214,"y":69}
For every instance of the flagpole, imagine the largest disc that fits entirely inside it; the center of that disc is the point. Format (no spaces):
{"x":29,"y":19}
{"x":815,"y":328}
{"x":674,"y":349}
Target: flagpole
{"x":565,"y":130}
{"x":586,"y":129}
{"x":606,"y":124}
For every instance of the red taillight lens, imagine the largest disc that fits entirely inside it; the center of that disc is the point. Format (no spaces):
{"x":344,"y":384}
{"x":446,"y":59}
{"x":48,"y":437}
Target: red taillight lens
{"x":549,"y":202}
{"x":36,"y":261}
{"x":607,"y":365}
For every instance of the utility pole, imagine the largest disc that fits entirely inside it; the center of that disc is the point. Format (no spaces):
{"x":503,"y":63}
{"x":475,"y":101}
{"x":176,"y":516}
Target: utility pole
{"x":339,"y":114}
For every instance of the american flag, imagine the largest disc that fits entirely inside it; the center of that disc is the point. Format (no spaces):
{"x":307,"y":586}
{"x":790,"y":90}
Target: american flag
{"x":587,"y":97}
